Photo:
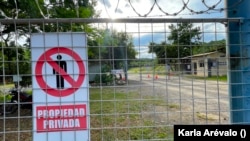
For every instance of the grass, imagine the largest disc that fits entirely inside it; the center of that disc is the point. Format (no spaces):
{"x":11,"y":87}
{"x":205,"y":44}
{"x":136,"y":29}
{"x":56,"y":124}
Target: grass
{"x":138,"y":70}
{"x":162,"y":71}
{"x":118,"y":116}
{"x":213,"y":78}
{"x":206,"y":116}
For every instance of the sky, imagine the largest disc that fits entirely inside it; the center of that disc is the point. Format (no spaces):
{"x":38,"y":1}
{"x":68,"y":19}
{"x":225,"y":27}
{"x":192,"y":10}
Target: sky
{"x":124,"y":8}
{"x":149,"y":9}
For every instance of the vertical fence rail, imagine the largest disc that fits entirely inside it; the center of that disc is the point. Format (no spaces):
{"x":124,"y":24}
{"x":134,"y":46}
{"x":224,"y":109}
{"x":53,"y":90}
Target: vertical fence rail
{"x":141,"y":80}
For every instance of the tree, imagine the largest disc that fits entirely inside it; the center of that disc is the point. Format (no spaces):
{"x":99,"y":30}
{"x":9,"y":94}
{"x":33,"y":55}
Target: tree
{"x":119,"y":48}
{"x":182,"y":39}
{"x":219,"y":45}
{"x":164,"y":52}
{"x":15,"y":60}
{"x":114,"y":49}
{"x":28,"y":9}
{"x":15,"y":9}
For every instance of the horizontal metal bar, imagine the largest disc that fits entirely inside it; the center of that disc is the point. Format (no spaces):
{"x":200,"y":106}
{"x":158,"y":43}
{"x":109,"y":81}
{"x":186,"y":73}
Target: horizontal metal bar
{"x":120,"y":20}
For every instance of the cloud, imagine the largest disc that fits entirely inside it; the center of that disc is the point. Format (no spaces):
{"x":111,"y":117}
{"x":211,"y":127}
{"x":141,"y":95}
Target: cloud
{"x":118,"y":10}
{"x":170,"y":7}
{"x":111,"y":9}
{"x":157,"y":32}
{"x":141,"y":44}
{"x":160,"y":8}
{"x":105,"y":3}
{"x":147,"y":38}
{"x":211,"y":31}
{"x":143,"y":52}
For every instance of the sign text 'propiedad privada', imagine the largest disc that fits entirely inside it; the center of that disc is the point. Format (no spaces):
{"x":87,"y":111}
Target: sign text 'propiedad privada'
{"x":61,"y":118}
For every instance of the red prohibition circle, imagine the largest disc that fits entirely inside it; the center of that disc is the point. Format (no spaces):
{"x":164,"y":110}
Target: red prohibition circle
{"x":46,"y":57}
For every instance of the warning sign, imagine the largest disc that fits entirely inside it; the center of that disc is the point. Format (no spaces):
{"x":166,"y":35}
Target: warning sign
{"x":60,"y":87}
{"x":59,"y":68}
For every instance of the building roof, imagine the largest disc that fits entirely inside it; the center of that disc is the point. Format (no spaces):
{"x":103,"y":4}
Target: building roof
{"x":201,"y":54}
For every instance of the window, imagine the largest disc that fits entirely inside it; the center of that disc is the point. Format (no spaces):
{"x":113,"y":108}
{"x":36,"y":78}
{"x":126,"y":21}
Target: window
{"x":223,"y":63}
{"x":201,"y":63}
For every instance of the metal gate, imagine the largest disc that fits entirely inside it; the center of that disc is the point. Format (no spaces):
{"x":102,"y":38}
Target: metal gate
{"x":145,"y":75}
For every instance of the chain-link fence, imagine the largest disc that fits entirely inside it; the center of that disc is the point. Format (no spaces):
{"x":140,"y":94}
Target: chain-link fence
{"x":143,"y":76}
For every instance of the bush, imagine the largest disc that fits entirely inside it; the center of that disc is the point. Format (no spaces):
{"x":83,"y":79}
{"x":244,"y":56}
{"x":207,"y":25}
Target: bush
{"x":4,"y":98}
{"x":105,"y":76}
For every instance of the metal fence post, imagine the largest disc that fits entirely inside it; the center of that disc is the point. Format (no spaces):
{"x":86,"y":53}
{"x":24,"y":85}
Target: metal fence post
{"x":239,"y":64}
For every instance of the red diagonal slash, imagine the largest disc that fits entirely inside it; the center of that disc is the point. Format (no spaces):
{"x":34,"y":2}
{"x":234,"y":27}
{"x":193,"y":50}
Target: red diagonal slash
{"x":46,"y":57}
{"x":61,"y":71}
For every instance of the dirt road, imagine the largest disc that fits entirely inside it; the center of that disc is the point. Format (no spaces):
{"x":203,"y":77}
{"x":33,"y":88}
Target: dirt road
{"x":188,"y":101}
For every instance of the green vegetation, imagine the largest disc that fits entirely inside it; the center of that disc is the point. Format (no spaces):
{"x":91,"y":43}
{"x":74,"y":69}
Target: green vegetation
{"x":207,"y":116}
{"x":184,"y":40}
{"x":12,"y":50}
{"x":3,"y":95}
{"x":118,"y":116}
{"x":161,"y":70}
{"x":29,"y":92}
{"x":213,"y":78}
{"x":105,"y":76}
{"x":219,"y":45}
{"x":146,"y":69}
{"x":4,"y":98}
{"x":114,"y":48}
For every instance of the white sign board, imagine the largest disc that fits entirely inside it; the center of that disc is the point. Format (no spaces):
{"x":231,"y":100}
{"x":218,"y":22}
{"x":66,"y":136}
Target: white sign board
{"x":17,"y":78}
{"x":60,"y":87}
{"x":119,"y":71}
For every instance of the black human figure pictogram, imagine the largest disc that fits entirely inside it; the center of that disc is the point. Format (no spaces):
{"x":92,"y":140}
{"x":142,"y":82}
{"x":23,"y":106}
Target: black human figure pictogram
{"x":59,"y":77}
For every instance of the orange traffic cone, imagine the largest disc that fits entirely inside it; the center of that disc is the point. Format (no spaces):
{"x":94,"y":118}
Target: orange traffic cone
{"x":156,"y":76}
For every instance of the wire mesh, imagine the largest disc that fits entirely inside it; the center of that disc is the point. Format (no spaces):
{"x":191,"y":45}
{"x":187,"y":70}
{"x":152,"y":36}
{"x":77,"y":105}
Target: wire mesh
{"x":142,"y":80}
